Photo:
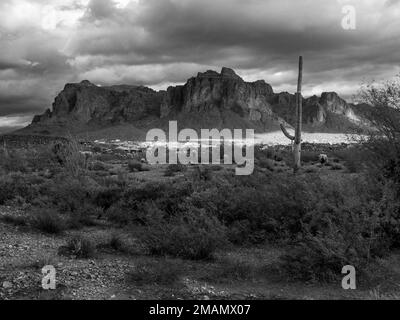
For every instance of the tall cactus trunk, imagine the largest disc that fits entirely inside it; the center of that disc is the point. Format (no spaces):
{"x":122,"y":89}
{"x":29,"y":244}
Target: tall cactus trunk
{"x":299,"y":120}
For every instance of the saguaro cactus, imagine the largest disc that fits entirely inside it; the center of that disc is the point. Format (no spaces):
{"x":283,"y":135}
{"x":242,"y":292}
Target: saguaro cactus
{"x":299,"y":115}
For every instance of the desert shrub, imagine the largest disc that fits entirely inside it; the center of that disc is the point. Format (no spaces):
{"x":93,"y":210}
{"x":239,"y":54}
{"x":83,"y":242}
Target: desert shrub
{"x":194,"y":235}
{"x":119,"y":181}
{"x":203,"y":173}
{"x":16,"y":220}
{"x":18,"y":185}
{"x":343,"y":229}
{"x":106,"y":197}
{"x":255,"y":208}
{"x":172,"y":169}
{"x":68,"y":194}
{"x":70,"y":156}
{"x":337,"y":166}
{"x":17,"y":202}
{"x":147,"y":191}
{"x":97,"y":166}
{"x":388,"y":210}
{"x":42,"y":158}
{"x":84,"y":216}
{"x":267,"y":164}
{"x":79,"y":247}
{"x":322,"y":257}
{"x":134,"y":165}
{"x":311,"y":169}
{"x":167,"y":196}
{"x":381,"y":106}
{"x":117,"y":243}
{"x":14,"y":161}
{"x":119,"y":215}
{"x":48,"y":221}
{"x":355,"y":158}
{"x":165,"y":272}
{"x":309,"y":156}
{"x":97,"y":149}
{"x":244,"y":232}
{"x":272,"y":153}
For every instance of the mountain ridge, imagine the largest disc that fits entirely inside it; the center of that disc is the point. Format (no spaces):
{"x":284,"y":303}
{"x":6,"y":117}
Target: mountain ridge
{"x":209,"y":100}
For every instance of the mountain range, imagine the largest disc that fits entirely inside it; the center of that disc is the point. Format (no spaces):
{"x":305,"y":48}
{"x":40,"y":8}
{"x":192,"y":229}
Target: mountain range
{"x":208,"y":100}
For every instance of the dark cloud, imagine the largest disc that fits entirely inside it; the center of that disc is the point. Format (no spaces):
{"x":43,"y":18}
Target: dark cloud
{"x":159,"y":42}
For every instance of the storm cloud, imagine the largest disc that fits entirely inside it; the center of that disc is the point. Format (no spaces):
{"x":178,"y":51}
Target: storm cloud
{"x":45,"y":44}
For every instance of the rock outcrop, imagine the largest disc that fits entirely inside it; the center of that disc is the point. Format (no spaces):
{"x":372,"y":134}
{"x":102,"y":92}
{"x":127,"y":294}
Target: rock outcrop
{"x":209,"y":100}
{"x":326,"y":113}
{"x":213,"y":92}
{"x":87,"y":103}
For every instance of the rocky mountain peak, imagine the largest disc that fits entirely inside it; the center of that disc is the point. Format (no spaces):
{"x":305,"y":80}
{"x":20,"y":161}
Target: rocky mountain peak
{"x":209,"y":100}
{"x":87,"y":83}
{"x":229,"y":73}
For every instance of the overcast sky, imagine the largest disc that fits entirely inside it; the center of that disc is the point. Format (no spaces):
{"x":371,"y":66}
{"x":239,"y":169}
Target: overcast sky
{"x":47,"y":43}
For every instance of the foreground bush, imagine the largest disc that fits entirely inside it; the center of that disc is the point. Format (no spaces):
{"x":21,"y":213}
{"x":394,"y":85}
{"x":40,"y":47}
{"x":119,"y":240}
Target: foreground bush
{"x":48,"y":221}
{"x":79,"y":247}
{"x":17,"y":185}
{"x":194,"y":235}
{"x":353,"y":234}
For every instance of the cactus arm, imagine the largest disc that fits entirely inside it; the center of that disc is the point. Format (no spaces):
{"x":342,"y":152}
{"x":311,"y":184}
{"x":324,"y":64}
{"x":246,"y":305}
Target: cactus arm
{"x":286,"y":133}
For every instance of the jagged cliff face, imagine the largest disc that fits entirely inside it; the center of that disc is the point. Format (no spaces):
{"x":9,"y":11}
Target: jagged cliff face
{"x":209,"y":100}
{"x":87,"y":103}
{"x":328,"y":112}
{"x":220,"y":94}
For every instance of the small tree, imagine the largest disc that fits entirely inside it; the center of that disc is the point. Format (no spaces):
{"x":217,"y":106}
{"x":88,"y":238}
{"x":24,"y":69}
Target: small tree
{"x":381,"y":107}
{"x":299,"y":115}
